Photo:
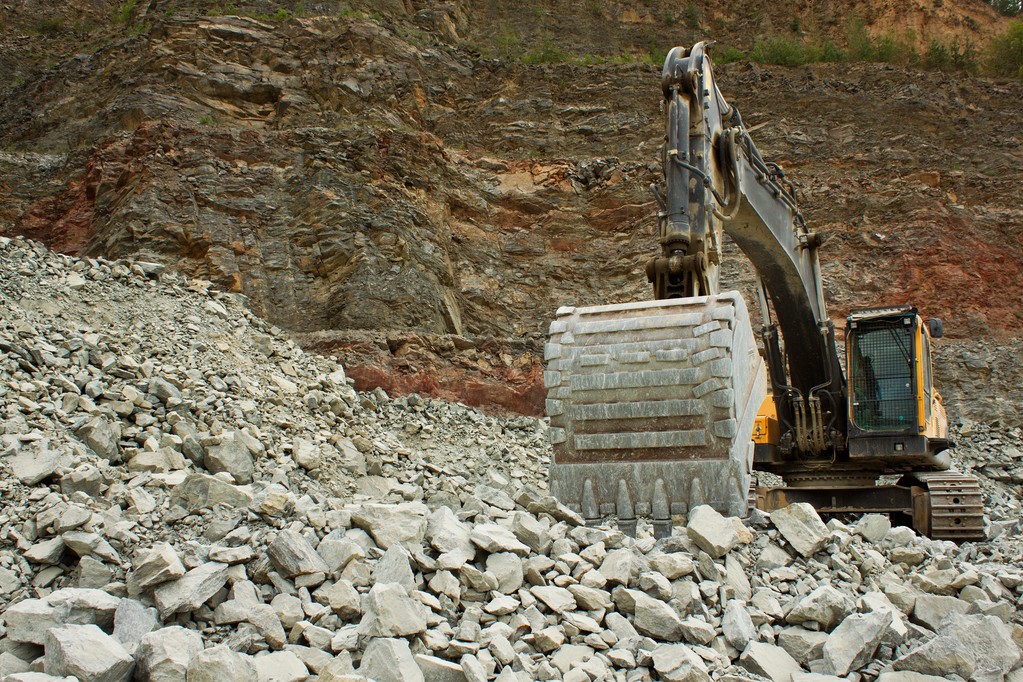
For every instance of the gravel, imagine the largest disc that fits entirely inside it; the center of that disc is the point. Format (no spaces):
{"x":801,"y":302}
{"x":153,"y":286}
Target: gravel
{"x":182,"y":495}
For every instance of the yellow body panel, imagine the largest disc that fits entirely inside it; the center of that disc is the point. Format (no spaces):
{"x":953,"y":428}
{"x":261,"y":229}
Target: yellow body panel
{"x":765,"y":427}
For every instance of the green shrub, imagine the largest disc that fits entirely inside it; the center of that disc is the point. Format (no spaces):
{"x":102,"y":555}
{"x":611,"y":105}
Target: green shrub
{"x":954,"y":56}
{"x":861,"y":47}
{"x":826,"y":52}
{"x":693,"y":19}
{"x":508,"y":43}
{"x":937,"y":56}
{"x":50,"y":26}
{"x":546,"y":53}
{"x":728,"y":54}
{"x":964,"y":56}
{"x":883,"y":48}
{"x":655,"y":55}
{"x":1005,"y":52}
{"x":779,"y":50}
{"x":122,"y":14}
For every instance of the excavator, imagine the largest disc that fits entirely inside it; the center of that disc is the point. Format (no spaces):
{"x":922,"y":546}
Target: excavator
{"x":659,"y":406}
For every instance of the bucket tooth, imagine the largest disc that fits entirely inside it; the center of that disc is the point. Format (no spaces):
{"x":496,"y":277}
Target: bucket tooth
{"x":589,"y":505}
{"x":660,"y":510}
{"x":626,"y":512}
{"x":696,"y":497}
{"x":738,"y":497}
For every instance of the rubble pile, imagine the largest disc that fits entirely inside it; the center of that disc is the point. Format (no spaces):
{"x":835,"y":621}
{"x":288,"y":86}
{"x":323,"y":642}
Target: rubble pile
{"x":189,"y":496}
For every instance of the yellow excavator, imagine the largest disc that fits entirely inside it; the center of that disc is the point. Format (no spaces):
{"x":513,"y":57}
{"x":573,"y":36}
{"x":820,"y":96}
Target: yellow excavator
{"x":659,"y":406}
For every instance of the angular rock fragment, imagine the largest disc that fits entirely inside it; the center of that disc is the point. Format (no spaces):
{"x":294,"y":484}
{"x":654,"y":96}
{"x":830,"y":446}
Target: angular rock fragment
{"x":990,"y":640}
{"x":492,"y":537}
{"x":930,"y":610}
{"x":88,"y":653}
{"x":37,"y":463}
{"x":939,"y":656}
{"x":280,"y":666}
{"x":49,"y":552}
{"x":737,"y":626}
{"x":90,"y":544}
{"x":678,"y":663}
{"x":159,"y":565}
{"x":306,"y":454}
{"x":803,"y":645}
{"x":770,"y":661}
{"x":201,"y":491}
{"x":84,"y":606}
{"x":801,"y":527}
{"x":29,"y":621}
{"x":390,"y":612}
{"x":268,"y":624}
{"x":231,"y":456}
{"x":190,"y":591}
{"x":102,"y":437}
{"x":389,"y":524}
{"x":712,"y":532}
{"x":825,"y":606}
{"x":132,"y":621}
{"x":163,"y":655}
{"x":220,"y":664}
{"x":436,"y":669}
{"x":390,"y":660}
{"x":657,"y":619}
{"x":853,"y":643}
{"x":292,"y":554}
{"x":558,"y":599}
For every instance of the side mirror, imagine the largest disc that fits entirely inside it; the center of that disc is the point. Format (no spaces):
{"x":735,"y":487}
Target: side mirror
{"x":936,"y":328}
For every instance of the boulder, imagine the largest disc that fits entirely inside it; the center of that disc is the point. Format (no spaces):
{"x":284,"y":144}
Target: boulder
{"x":163,"y":655}
{"x":280,"y":666}
{"x":990,"y":640}
{"x":439,"y":670}
{"x":737,"y":626}
{"x":492,"y":537}
{"x":102,"y":437}
{"x":657,"y":619}
{"x":221,"y":664}
{"x":929,"y":610}
{"x":713,"y":533}
{"x":801,"y":527}
{"x":190,"y":591}
{"x":769,"y":661}
{"x":293,"y":555}
{"x":802,"y":644}
{"x":853,"y":643}
{"x":390,"y":612}
{"x":88,"y":653}
{"x":159,"y":565}
{"x":389,"y":524}
{"x":390,"y":660}
{"x":939,"y":656}
{"x":825,"y":606}
{"x":202,"y":491}
{"x":232,"y":456}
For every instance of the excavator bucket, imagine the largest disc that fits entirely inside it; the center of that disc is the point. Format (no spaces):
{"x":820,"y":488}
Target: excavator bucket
{"x":652,"y":407}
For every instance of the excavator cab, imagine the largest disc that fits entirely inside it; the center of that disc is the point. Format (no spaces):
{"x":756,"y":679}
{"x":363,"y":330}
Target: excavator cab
{"x":896,"y":419}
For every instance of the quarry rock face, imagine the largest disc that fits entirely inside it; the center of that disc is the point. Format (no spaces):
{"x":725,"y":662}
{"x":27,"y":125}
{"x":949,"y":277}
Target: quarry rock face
{"x":440,"y":556}
{"x":401,"y":206}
